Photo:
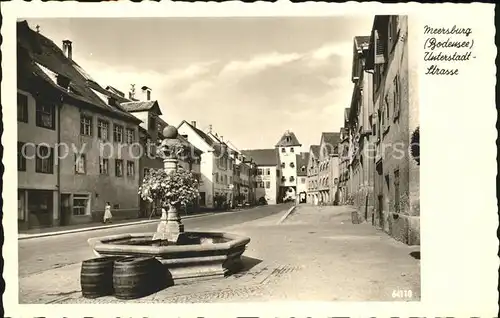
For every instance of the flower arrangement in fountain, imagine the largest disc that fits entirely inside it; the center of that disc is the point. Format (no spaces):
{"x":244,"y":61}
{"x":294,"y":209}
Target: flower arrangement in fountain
{"x":175,"y":188}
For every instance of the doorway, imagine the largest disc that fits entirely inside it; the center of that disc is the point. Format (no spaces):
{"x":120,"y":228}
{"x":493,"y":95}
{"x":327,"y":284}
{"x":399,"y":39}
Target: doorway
{"x":380,"y":209}
{"x":65,"y":217}
{"x":40,"y":208}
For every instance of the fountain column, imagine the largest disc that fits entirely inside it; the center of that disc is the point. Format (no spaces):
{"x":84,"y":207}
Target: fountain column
{"x":170,"y":226}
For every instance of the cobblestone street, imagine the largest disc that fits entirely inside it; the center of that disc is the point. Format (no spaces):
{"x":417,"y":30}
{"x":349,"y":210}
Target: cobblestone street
{"x":316,"y":254}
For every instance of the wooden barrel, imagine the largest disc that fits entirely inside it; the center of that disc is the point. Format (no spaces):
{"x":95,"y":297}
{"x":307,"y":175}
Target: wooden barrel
{"x":96,"y":276}
{"x":135,"y":277}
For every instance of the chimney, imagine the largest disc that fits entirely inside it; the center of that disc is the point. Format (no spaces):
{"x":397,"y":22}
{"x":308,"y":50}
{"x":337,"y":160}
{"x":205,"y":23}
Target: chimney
{"x":210,"y":128}
{"x":131,"y":93}
{"x":193,"y":123}
{"x":222,"y":138}
{"x":68,"y":49}
{"x":146,"y":91}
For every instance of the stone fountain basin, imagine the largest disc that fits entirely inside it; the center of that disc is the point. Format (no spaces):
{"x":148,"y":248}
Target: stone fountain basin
{"x":197,"y":255}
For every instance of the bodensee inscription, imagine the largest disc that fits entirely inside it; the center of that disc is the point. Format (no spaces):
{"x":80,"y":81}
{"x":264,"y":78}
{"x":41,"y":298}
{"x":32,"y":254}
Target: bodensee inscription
{"x":446,"y":48}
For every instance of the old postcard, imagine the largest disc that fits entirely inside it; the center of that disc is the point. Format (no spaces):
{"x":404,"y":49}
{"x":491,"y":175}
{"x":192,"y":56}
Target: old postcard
{"x":230,"y":160}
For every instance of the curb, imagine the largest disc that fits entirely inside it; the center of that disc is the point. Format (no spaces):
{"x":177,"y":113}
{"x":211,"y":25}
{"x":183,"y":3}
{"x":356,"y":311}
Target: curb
{"x":103,"y":227}
{"x":287,"y":214}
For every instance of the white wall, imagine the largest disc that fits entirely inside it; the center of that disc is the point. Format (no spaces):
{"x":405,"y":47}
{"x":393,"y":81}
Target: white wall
{"x":288,"y":157}
{"x":269,"y":193}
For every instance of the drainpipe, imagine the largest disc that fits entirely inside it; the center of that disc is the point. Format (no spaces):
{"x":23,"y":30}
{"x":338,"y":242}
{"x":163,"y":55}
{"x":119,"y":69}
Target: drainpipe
{"x":60,"y":104}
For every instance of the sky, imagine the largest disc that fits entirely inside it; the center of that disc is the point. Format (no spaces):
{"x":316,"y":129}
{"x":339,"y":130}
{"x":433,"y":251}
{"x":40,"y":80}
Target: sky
{"x":250,"y":78}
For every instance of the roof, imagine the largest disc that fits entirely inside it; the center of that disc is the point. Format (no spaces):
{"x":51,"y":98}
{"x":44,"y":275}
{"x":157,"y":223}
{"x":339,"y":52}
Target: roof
{"x":115,"y":91}
{"x":141,"y":106}
{"x":43,"y":60}
{"x":332,"y":139}
{"x":288,"y":140}
{"x":302,"y":161}
{"x":314,"y":150}
{"x":361,"y":42}
{"x":204,"y":136}
{"x":262,"y":157}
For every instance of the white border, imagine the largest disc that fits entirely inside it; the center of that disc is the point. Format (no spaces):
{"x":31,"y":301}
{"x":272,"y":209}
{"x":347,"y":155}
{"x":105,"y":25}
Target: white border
{"x":458,"y":219}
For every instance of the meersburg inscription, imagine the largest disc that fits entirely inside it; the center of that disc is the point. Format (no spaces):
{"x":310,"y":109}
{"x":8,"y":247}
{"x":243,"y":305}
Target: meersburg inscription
{"x":447,"y":46}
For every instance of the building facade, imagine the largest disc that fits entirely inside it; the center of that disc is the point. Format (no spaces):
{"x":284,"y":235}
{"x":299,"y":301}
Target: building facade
{"x":312,"y":175}
{"x":267,"y":174}
{"x":302,"y":184}
{"x":86,"y":156}
{"x":287,"y":148}
{"x":360,"y":130}
{"x":395,"y":127}
{"x":328,"y":167}
{"x":344,"y":162}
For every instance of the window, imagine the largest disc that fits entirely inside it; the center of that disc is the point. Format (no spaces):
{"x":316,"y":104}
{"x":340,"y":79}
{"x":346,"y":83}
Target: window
{"x":291,"y":150}
{"x":22,"y":108}
{"x":118,"y":133}
{"x":225,"y":179}
{"x":292,"y":165}
{"x":119,"y":167}
{"x":283,"y":150}
{"x":268,"y":185}
{"x":130,"y":135}
{"x":259,"y":172}
{"x":277,"y":173}
{"x":146,"y":171}
{"x":260,"y":184}
{"x":85,"y":125}
{"x":21,"y":157}
{"x":303,"y":180}
{"x":104,"y":166}
{"x":152,"y":123}
{"x":230,"y":180}
{"x":292,"y":179}
{"x":217,"y":177}
{"x":80,"y":163}
{"x":283,"y":165}
{"x":130,"y":168}
{"x":268,"y":171}
{"x":44,"y":160}
{"x":45,"y":116}
{"x":81,"y":204}
{"x":102,"y":129}
{"x":303,"y":168}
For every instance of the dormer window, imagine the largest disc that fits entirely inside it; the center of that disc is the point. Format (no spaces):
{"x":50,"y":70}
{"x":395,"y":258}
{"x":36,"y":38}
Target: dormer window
{"x":112,"y":101}
{"x":303,"y":168}
{"x":63,"y":81}
{"x":288,"y":139}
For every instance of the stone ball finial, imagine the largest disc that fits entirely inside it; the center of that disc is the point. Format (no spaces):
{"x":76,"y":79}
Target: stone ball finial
{"x":170,"y":132}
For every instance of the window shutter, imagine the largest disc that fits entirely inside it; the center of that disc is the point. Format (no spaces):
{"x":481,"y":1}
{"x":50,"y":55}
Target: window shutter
{"x":397,"y":99}
{"x":378,"y":49}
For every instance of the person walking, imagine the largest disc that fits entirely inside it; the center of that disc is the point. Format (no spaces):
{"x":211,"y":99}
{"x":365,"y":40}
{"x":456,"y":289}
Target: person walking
{"x":107,"y":213}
